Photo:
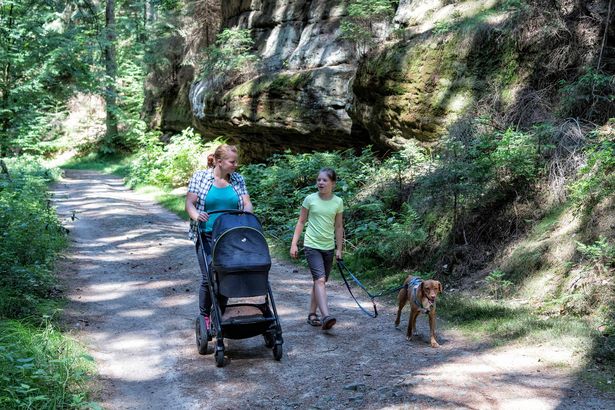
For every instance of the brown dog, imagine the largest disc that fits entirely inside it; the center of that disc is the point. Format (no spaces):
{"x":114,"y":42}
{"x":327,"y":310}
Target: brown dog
{"x":422,"y":298}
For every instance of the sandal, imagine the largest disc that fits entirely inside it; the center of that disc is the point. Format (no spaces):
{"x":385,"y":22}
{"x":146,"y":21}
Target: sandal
{"x":328,"y":322}
{"x":314,"y":320}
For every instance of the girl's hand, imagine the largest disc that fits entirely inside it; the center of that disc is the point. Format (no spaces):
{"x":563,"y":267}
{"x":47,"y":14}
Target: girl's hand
{"x":203,"y":217}
{"x":294,"y":251}
{"x":338,"y":254}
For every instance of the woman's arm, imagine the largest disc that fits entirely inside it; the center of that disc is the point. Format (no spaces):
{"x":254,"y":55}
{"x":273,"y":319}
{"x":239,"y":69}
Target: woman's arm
{"x":303,"y":216}
{"x":247,"y":204}
{"x":195,"y":215}
{"x":339,"y":235}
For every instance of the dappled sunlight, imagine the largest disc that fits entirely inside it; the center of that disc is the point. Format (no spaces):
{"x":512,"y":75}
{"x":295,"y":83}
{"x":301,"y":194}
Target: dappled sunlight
{"x":105,"y":292}
{"x":137,"y":313}
{"x":424,"y":15}
{"x":517,"y":385}
{"x":175,"y":301}
{"x":162,"y":284}
{"x":140,"y":354}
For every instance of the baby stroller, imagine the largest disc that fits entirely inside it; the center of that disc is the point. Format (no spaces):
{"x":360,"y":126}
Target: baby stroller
{"x":237,"y":267}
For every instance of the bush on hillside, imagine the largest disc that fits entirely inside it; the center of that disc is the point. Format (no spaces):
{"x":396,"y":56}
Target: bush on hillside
{"x":172,"y":164}
{"x":31,"y":238}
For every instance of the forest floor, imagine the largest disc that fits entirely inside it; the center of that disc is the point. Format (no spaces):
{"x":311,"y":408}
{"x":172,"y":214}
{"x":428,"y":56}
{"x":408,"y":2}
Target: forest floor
{"x":131,"y":278}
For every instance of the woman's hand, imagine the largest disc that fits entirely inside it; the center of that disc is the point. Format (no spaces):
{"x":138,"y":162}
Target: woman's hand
{"x":294,"y":251}
{"x":203,"y":217}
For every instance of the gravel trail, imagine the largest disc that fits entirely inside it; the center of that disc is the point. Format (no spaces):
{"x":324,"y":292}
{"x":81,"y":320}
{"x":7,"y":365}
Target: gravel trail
{"x":131,"y":278}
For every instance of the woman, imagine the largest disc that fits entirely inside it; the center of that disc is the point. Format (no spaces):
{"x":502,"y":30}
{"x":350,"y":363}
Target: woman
{"x":218,"y":187}
{"x":324,"y":235}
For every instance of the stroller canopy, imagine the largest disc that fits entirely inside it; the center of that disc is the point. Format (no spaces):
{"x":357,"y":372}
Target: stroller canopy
{"x":239,"y":244}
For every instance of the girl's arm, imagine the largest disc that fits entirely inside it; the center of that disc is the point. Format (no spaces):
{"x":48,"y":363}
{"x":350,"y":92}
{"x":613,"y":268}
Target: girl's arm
{"x":339,"y":235}
{"x":303,"y":215}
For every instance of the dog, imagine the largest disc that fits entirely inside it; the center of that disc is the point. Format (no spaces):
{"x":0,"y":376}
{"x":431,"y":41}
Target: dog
{"x":421,"y":295}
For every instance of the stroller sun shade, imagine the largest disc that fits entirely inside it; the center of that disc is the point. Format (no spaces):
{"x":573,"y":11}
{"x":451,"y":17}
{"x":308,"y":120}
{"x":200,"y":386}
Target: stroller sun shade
{"x":239,"y":244}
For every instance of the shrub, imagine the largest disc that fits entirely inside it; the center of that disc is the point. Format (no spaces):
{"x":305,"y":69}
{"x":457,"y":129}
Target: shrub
{"x":498,"y":286}
{"x":591,"y":96}
{"x":229,"y":54}
{"x":360,"y":26}
{"x":41,"y":369}
{"x":31,"y":237}
{"x":169,"y":165}
{"x":596,"y":180}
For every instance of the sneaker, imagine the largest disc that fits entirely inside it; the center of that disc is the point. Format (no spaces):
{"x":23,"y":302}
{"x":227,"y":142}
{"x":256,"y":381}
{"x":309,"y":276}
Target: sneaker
{"x":207,"y":322}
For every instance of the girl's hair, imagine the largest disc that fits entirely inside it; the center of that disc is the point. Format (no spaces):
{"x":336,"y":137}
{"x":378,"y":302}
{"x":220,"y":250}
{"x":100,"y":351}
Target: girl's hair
{"x":330,"y":172}
{"x":221,"y":152}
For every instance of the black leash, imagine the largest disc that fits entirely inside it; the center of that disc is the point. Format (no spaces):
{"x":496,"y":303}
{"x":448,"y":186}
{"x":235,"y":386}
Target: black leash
{"x":342,"y":267}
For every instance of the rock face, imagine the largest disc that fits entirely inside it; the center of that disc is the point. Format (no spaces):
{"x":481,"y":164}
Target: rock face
{"x":310,"y":90}
{"x":301,"y":93}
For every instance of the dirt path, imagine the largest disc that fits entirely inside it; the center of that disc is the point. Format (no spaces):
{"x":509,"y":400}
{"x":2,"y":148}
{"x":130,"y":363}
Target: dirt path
{"x":132,"y":279}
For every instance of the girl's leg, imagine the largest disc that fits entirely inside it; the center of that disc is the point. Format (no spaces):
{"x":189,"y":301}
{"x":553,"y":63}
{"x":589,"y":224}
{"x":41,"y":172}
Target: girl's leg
{"x":318,"y":297}
{"x":319,"y":292}
{"x":313,"y":304}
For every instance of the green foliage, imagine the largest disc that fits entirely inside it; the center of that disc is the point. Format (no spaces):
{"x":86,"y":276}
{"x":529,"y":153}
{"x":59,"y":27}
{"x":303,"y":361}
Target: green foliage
{"x":43,"y":58}
{"x":601,"y":253}
{"x":31,"y":236}
{"x":279,"y":188}
{"x":379,"y":227}
{"x":230,"y":53}
{"x":498,"y":286}
{"x":596,"y":180}
{"x":591,"y":96}
{"x":172,"y":164}
{"x":40,"y":368}
{"x":359,"y":27}
{"x":515,"y":156}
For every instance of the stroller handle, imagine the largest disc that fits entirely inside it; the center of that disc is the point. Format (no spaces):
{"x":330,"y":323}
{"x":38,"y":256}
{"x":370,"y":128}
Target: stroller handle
{"x":227,"y":211}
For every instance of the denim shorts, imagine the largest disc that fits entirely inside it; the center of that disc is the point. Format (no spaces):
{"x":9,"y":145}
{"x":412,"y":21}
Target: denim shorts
{"x":319,"y":261}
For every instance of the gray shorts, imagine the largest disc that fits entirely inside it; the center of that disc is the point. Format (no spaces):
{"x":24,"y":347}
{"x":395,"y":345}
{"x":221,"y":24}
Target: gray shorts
{"x":319,"y":261}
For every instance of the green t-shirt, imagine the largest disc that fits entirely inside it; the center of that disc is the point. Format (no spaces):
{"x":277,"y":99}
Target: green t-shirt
{"x":217,"y":199}
{"x":320,"y":232}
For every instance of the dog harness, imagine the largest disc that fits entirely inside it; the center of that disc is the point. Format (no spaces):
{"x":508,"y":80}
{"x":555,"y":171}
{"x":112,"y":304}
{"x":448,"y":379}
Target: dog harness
{"x":413,"y":286}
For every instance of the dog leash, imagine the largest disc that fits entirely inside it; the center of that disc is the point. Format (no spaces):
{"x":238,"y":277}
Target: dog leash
{"x":342,"y":267}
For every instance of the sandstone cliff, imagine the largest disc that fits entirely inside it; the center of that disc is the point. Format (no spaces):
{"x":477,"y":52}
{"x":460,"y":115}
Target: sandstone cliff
{"x":435,"y":62}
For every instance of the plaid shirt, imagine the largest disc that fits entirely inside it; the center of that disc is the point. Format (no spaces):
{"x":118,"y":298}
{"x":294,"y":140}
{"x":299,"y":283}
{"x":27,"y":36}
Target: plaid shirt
{"x":200,"y":184}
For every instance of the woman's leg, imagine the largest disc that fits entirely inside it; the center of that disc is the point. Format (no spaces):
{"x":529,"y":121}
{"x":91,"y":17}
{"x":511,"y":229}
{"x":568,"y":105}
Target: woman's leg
{"x":204,"y":295}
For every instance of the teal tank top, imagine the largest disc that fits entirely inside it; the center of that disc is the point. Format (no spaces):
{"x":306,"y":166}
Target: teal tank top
{"x":216,"y":199}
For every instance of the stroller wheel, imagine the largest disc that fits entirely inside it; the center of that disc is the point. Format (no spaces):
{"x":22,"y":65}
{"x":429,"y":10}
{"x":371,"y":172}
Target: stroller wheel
{"x":202,"y":336}
{"x":269,"y":340}
{"x":219,"y":357}
{"x":277,"y":352}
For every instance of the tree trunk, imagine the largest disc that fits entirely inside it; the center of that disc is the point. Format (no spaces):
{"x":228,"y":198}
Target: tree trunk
{"x":111,"y":72}
{"x":5,"y":119}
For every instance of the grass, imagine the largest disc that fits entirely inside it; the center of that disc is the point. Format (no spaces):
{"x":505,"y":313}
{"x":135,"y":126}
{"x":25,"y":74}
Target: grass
{"x":41,"y":368}
{"x":500,"y":323}
{"x":116,"y":165}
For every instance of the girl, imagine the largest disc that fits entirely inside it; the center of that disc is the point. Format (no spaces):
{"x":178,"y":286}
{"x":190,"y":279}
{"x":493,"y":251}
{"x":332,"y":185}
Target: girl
{"x":218,"y":187}
{"x":324,"y":236}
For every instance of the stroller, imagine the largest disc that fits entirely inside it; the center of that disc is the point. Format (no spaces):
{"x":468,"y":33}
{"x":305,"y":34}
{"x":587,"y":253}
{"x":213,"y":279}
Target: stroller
{"x":237,"y":267}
